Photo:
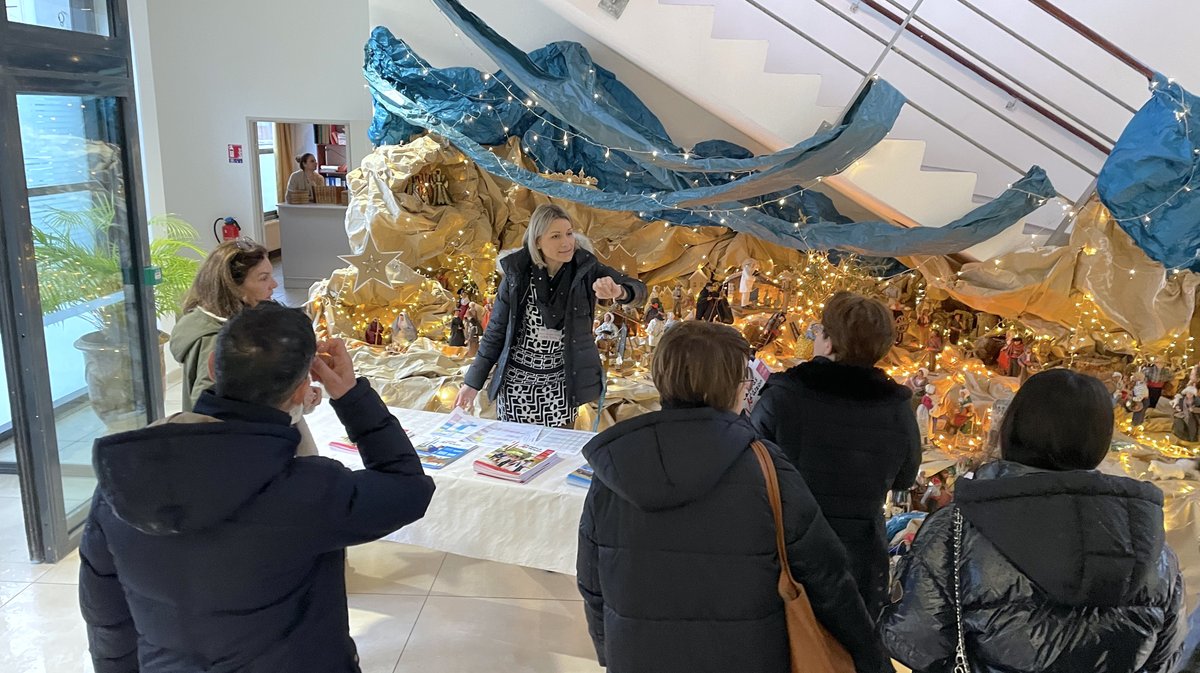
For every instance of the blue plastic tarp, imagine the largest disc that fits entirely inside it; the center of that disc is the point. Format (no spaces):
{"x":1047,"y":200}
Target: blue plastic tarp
{"x":1149,"y":182}
{"x":575,"y":108}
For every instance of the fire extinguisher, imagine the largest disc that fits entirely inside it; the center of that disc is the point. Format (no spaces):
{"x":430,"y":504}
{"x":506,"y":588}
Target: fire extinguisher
{"x":230,"y":229}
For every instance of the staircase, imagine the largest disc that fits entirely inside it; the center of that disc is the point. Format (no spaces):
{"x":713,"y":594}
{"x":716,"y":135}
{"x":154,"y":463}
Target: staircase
{"x":758,"y":75}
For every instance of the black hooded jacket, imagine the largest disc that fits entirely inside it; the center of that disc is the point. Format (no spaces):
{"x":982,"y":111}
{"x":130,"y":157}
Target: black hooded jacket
{"x":852,"y":434}
{"x":210,"y":547}
{"x":677,"y":563}
{"x":582,"y":356}
{"x":1060,"y":571}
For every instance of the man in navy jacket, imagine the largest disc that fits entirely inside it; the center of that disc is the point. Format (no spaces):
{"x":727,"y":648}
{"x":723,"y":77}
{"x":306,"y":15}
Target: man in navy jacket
{"x":211,"y":547}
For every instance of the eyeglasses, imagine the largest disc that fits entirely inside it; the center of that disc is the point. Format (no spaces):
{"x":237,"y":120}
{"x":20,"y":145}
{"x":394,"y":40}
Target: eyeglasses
{"x":749,"y":376}
{"x":245,"y":243}
{"x":814,"y":330}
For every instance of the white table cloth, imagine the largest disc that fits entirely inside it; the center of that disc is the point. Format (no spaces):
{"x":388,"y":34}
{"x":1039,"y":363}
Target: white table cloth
{"x":535,"y":524}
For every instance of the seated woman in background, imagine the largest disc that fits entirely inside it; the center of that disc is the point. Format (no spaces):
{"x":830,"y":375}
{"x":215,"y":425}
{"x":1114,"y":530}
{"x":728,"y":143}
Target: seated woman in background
{"x":677,"y":563}
{"x":1052,"y":565}
{"x":849,"y":429}
{"x":304,"y":179}
{"x":235,"y":275}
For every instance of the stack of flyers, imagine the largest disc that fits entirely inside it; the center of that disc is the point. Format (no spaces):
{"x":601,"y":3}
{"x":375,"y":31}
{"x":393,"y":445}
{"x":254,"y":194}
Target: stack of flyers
{"x":344,"y":444}
{"x":516,"y":462}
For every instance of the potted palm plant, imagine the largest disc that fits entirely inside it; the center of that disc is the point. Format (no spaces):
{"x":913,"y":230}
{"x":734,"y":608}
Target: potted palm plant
{"x":80,"y":273}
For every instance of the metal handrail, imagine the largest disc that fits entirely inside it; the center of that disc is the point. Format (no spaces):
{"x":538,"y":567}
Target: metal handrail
{"x":1095,"y":38}
{"x":981,"y":59}
{"x":916,"y":106}
{"x":1047,"y":55}
{"x":985,"y":75}
{"x":963,"y":92}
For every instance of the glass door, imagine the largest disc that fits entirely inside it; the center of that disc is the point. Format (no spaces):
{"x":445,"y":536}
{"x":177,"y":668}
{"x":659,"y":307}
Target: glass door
{"x":81,"y":349}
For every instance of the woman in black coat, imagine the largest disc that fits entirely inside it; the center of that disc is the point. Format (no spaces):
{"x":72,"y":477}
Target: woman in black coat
{"x":849,"y":429}
{"x":1062,"y":568}
{"x":677,"y":563}
{"x":539,"y":338}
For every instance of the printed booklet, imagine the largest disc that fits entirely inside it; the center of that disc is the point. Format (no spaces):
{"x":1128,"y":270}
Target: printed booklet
{"x":516,"y":462}
{"x":434,"y":456}
{"x":581,"y":477}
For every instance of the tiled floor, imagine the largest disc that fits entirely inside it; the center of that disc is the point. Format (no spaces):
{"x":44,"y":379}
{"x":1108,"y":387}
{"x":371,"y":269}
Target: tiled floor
{"x":411,"y":609}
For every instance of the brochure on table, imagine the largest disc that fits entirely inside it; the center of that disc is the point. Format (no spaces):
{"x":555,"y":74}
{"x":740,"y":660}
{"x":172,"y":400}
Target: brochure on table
{"x":450,"y":444}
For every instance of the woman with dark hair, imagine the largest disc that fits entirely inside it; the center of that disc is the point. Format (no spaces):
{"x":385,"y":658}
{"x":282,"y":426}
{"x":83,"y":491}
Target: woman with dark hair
{"x":304,"y":179}
{"x":1043,"y":563}
{"x":539,"y":337}
{"x":677,"y":556}
{"x":849,"y":429}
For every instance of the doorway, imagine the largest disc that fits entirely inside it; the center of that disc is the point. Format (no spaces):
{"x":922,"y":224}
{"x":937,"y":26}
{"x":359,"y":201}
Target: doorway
{"x":304,"y":232}
{"x":77,"y":325}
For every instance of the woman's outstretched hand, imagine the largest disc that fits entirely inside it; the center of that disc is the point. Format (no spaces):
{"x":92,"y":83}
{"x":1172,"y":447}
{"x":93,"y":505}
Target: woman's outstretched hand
{"x":607,"y":288}
{"x":466,"y":398}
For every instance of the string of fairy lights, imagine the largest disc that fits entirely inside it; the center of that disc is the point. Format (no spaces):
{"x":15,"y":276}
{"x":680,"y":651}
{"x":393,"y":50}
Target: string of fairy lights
{"x":720,"y":215}
{"x":1089,"y":319}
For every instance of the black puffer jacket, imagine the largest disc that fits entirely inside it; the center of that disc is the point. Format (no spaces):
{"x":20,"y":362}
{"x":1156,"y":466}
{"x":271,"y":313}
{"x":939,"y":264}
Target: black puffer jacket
{"x":677,"y":562}
{"x":582,"y":356}
{"x":1060,"y":571}
{"x":852,"y":434}
{"x":210,"y":547}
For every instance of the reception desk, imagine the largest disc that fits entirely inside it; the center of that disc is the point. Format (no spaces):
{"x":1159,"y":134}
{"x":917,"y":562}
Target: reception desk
{"x":311,"y":237}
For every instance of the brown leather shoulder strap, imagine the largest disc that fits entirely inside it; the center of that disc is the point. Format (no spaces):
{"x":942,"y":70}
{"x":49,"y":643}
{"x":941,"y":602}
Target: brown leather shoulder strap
{"x":772,"y":479}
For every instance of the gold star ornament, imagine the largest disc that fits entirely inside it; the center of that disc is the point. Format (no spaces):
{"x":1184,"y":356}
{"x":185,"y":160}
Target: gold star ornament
{"x":370,"y":265}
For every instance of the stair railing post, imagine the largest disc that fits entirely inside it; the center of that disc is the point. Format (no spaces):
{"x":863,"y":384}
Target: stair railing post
{"x":874,"y":70}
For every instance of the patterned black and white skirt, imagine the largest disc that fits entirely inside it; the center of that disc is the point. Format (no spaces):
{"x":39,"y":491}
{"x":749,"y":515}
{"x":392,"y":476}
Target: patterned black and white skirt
{"x":534,"y":388}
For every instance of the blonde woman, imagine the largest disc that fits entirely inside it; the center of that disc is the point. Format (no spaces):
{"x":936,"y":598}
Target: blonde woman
{"x":538,"y":344}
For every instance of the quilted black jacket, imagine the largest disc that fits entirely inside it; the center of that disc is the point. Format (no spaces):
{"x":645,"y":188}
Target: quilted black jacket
{"x":1061,"y":571}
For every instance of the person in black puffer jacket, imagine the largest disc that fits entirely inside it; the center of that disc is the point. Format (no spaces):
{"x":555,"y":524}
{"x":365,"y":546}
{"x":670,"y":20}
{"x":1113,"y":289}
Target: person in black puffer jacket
{"x":1062,"y":568}
{"x":677,"y":563}
{"x":849,"y":429}
{"x":211,"y":547}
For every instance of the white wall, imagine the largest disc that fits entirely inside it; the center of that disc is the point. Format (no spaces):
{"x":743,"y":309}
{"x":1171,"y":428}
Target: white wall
{"x":204,"y":68}
{"x":1158,"y":32}
{"x":528,"y":24}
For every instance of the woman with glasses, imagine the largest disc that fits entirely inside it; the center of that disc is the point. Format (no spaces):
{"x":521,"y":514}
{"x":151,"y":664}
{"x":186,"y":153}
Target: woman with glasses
{"x":849,"y":429}
{"x":677,"y":562}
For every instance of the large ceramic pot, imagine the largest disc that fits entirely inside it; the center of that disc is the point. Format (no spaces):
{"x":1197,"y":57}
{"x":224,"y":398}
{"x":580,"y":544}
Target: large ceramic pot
{"x":113,"y":393}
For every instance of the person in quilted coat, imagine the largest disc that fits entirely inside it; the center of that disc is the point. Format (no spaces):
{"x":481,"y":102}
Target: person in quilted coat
{"x":1062,"y":568}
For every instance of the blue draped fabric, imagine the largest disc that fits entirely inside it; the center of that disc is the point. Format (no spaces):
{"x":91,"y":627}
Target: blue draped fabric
{"x":478,"y":105}
{"x":1152,"y":172}
{"x":474,"y":110}
{"x":568,"y":92}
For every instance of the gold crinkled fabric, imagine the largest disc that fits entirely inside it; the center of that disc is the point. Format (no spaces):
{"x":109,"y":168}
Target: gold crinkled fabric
{"x":341,"y":311}
{"x":1042,"y":286}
